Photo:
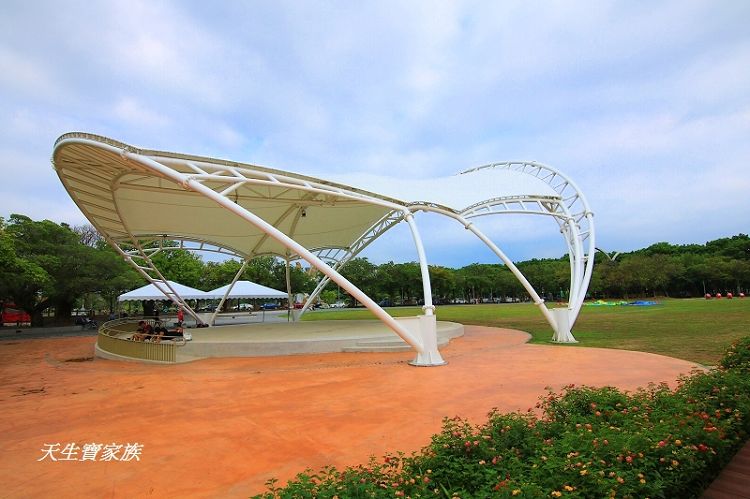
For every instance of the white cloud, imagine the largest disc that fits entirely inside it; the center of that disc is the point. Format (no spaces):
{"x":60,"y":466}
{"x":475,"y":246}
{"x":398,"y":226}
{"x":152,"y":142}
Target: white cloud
{"x":227,"y":136}
{"x":129,"y":110}
{"x":645,"y":106}
{"x":24,"y":75}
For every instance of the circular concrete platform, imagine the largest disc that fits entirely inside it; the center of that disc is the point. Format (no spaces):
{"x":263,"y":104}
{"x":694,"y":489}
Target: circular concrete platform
{"x":263,"y":339}
{"x":260,"y":340}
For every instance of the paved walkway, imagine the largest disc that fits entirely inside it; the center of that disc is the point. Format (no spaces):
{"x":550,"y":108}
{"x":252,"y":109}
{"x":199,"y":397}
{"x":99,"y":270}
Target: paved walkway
{"x":28,"y":333}
{"x":222,"y":427}
{"x":734,"y":480}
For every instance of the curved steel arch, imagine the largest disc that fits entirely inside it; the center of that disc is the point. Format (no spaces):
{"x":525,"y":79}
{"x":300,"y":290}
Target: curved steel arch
{"x":577,"y":228}
{"x":570,"y":210}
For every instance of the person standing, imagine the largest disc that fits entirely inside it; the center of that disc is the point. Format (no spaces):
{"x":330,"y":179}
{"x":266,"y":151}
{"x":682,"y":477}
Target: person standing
{"x":180,"y":315}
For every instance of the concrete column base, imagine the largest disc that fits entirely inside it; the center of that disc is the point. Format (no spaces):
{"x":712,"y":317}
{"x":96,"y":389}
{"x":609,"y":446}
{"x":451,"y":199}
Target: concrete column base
{"x":425,"y":326}
{"x":562,"y":326}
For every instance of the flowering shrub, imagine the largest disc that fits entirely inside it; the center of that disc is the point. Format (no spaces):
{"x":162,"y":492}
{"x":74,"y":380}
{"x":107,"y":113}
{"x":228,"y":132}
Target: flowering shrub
{"x":584,"y":442}
{"x":738,"y":355}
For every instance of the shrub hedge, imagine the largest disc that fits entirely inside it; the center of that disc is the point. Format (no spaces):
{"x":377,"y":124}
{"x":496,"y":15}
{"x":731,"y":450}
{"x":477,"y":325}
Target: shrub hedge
{"x":582,"y":442}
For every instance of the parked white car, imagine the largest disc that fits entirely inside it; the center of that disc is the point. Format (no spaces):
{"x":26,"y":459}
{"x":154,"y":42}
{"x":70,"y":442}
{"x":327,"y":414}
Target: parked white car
{"x":338,"y":304}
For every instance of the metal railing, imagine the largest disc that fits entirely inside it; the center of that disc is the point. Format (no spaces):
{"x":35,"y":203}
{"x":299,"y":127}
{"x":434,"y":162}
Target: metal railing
{"x":115,"y":338}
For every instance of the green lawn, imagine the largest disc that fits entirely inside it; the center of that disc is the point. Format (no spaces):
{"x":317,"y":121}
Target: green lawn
{"x":697,"y":330}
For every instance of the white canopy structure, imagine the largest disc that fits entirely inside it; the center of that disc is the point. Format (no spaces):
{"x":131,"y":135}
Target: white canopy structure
{"x":242,"y":289}
{"x":141,"y":199}
{"x":245,"y":289}
{"x":154,"y":291}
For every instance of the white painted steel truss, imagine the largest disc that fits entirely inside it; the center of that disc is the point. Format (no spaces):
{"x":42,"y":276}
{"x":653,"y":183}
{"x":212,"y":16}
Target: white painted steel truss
{"x":94,"y":168}
{"x":148,"y":247}
{"x":576,"y":221}
{"x":141,"y":259}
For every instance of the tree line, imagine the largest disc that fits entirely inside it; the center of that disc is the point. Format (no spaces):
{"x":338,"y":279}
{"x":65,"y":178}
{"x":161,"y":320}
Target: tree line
{"x":48,"y":266}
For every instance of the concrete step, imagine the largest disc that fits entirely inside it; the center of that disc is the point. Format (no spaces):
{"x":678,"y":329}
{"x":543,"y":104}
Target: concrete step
{"x":385,"y":345}
{"x":394,"y":348}
{"x":382,"y":343}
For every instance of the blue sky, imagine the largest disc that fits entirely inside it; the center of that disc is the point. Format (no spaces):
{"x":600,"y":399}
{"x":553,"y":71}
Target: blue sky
{"x":645,"y":105}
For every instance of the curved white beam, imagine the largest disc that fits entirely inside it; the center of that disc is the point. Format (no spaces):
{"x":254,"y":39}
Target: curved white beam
{"x":203,"y":246}
{"x":538,"y":301}
{"x":341,"y":256}
{"x":429,"y":308}
{"x":192,"y":184}
{"x":564,"y":336}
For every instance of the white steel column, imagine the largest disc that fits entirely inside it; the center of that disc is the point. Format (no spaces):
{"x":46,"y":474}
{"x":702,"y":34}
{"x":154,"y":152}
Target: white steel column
{"x":429,"y":308}
{"x":289,"y":306}
{"x":427,"y":324}
{"x":588,"y":270}
{"x":308,"y":303}
{"x":212,"y":321}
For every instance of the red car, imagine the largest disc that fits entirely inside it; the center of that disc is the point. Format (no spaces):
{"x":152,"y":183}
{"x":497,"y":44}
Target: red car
{"x":12,"y":315}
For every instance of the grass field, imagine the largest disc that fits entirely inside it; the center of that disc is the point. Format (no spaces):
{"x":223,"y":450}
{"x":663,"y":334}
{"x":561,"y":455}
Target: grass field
{"x":696,"y":329}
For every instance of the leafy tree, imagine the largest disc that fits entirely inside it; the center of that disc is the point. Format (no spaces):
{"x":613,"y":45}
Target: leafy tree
{"x":217,"y":274}
{"x":18,"y":274}
{"x":361,"y":273}
{"x":328,"y":296}
{"x":299,"y":280}
{"x":409,"y":277}
{"x":57,"y":267}
{"x":114,"y":276}
{"x":387,"y":282}
{"x":735,"y":247}
{"x":44,"y":264}
{"x":181,"y":266}
{"x":443,"y":282}
{"x":476,"y":280}
{"x":260,"y":270}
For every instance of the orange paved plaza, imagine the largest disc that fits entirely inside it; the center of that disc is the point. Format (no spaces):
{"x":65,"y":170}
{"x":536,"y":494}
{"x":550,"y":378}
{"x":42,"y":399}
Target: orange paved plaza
{"x":222,"y":427}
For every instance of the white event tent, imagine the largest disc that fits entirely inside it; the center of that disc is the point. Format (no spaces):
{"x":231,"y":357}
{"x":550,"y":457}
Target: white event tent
{"x":245,"y":289}
{"x":242,"y":289}
{"x":147,"y":202}
{"x":153,"y":292}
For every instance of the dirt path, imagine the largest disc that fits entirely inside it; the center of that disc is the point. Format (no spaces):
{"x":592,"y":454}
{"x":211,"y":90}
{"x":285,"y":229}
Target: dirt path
{"x":222,"y":427}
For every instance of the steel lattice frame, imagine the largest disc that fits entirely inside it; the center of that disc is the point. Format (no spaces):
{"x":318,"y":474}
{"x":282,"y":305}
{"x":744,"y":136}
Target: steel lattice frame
{"x":576,"y":222}
{"x":570,"y":210}
{"x":91,"y":182}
